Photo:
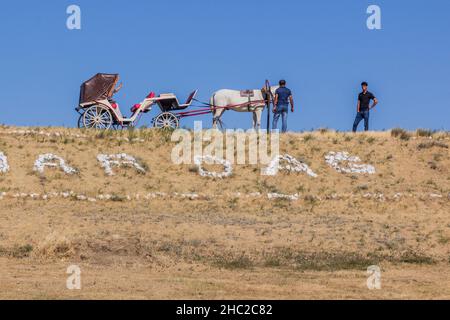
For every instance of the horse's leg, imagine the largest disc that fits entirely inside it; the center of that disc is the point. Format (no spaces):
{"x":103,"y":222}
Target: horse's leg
{"x":257,"y":119}
{"x":214,"y":119}
{"x":214,"y":111}
{"x":259,"y":116}
{"x":217,"y":115}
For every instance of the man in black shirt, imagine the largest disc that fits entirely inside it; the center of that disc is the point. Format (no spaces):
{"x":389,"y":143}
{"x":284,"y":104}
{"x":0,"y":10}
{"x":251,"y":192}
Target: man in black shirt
{"x":364,"y":107}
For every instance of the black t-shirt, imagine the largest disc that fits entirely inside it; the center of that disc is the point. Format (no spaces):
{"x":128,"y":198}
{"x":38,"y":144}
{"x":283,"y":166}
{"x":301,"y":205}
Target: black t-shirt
{"x":364,"y":100}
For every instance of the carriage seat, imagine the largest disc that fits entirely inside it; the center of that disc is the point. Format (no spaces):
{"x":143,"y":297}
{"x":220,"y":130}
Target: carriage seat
{"x":189,"y":100}
{"x":134,"y":108}
{"x":169,"y":102}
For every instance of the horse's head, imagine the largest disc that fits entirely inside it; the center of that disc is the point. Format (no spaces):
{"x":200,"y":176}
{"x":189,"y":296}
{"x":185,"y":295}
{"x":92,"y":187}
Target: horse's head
{"x":269,"y":92}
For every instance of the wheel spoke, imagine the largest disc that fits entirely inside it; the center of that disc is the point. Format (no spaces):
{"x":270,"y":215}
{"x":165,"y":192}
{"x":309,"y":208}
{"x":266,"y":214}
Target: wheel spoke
{"x":97,"y":117}
{"x":166,"y":120}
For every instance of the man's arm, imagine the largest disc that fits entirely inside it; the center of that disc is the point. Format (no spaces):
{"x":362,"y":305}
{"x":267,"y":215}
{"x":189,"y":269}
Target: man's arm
{"x":275,"y":102}
{"x":358,"y":107}
{"x":375,"y":102}
{"x":291,"y":99}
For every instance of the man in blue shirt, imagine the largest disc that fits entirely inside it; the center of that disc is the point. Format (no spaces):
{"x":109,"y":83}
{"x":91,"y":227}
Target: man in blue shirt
{"x":281,"y":105}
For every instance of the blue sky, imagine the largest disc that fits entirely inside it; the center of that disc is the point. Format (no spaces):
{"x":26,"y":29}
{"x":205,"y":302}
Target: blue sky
{"x":322,"y":48}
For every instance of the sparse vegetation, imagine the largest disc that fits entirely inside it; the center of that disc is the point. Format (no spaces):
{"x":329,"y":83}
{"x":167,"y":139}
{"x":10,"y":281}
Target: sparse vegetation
{"x":424,"y":133}
{"x":432,"y":144}
{"x":310,"y":199}
{"x":363,"y":187}
{"x":433,"y":165}
{"x":400,"y":134}
{"x":17,"y":251}
{"x":348,"y":138}
{"x":308,"y":137}
{"x":230,"y":261}
{"x":118,"y":198}
{"x":371,"y":140}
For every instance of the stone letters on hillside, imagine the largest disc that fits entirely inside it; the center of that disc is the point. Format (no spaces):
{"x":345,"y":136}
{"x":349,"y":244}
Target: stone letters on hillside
{"x":340,"y":161}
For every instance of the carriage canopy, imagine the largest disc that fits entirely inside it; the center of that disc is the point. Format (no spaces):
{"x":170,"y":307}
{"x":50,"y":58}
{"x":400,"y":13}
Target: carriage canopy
{"x":99,"y":87}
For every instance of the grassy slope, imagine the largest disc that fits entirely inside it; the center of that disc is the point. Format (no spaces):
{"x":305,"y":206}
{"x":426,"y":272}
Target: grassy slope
{"x":222,"y":246}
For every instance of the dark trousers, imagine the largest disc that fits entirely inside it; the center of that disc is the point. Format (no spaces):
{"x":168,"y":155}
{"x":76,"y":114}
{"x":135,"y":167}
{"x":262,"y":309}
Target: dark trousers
{"x":360,"y":116}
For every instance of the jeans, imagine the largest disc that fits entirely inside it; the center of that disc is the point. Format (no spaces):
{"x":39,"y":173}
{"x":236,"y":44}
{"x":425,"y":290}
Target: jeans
{"x":282,"y":110}
{"x":360,"y":116}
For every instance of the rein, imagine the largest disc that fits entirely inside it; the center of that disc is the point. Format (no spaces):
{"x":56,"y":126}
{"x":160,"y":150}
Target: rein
{"x":231,"y":106}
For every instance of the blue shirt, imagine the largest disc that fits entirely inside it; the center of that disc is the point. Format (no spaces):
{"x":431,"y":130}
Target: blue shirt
{"x":283,"y":95}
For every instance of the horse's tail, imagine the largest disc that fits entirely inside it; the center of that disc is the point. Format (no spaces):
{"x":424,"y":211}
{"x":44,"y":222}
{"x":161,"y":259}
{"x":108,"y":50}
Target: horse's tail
{"x":212,"y":105}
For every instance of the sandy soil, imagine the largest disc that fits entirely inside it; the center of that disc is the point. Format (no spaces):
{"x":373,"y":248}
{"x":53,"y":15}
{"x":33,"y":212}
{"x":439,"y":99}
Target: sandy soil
{"x":220,"y":245}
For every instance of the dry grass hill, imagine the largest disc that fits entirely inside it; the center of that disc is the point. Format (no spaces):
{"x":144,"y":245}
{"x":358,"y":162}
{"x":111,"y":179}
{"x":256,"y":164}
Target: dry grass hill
{"x":171,"y":234}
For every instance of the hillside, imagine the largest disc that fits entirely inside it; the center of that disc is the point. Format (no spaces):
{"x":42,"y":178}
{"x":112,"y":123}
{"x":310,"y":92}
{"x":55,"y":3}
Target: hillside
{"x":170,"y":233}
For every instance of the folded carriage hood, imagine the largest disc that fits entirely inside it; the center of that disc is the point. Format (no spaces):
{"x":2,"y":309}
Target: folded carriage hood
{"x":99,"y":87}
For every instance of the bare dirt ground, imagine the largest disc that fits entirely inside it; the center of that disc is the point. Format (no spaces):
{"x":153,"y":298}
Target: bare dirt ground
{"x":222,"y":245}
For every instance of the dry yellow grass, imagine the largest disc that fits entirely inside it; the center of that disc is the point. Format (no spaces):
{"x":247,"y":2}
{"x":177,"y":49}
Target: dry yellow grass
{"x":226,"y":247}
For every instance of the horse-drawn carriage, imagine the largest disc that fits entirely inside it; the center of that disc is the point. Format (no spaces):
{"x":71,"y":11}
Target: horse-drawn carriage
{"x":98,"y":110}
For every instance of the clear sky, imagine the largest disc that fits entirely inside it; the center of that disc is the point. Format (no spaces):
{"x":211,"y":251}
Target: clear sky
{"x":323,"y":49}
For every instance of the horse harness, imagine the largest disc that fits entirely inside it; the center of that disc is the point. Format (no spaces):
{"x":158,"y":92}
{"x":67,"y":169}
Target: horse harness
{"x":250,"y":94}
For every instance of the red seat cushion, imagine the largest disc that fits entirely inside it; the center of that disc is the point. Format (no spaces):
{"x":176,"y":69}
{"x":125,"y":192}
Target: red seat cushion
{"x":135,"y":107}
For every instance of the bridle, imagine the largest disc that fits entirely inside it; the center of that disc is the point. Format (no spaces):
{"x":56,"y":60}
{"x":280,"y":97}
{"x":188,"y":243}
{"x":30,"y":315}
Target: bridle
{"x":267,"y":93}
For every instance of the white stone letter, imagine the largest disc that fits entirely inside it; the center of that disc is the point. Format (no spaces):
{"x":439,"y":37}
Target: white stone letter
{"x":292,"y":165}
{"x":118,"y":160}
{"x":4,"y":167}
{"x":51,"y":160}
{"x":337,"y":160}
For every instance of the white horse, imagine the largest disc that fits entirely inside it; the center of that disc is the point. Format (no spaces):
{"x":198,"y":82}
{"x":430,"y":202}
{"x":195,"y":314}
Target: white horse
{"x":241,"y":101}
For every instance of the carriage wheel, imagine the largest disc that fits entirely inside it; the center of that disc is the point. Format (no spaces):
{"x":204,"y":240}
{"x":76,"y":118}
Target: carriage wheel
{"x":80,"y":122}
{"x":166,"y":120}
{"x":97,"y":117}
